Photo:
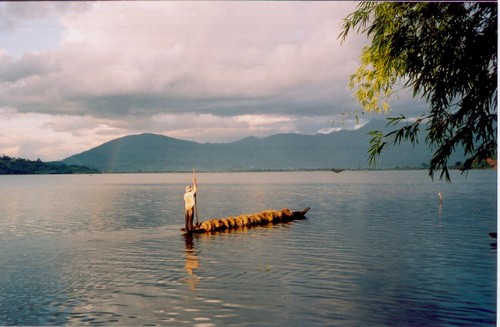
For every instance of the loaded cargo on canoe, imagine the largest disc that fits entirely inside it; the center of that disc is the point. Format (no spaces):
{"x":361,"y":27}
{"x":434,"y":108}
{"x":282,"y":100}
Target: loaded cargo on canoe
{"x":257,"y":219}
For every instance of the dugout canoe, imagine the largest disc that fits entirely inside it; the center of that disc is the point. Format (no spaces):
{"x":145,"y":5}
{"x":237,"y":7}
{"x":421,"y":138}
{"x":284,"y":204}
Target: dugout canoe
{"x":244,"y":221}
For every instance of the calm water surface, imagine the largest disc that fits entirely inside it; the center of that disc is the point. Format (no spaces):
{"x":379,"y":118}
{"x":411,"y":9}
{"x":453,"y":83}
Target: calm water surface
{"x":377,"y":249}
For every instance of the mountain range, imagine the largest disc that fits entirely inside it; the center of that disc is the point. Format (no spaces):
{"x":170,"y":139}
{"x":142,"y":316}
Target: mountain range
{"x":158,"y":153}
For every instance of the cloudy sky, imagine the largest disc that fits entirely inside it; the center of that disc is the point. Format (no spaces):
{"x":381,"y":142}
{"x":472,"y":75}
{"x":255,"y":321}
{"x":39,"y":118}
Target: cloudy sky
{"x":74,"y":75}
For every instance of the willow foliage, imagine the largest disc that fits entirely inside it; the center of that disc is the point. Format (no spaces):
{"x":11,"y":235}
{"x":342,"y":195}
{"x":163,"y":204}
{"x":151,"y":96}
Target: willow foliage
{"x":445,"y":52}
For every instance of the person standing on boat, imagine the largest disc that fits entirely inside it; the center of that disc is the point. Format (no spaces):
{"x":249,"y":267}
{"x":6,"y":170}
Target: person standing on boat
{"x":189,"y":205}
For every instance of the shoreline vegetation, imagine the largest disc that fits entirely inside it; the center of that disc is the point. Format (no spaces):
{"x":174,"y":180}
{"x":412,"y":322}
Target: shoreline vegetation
{"x":20,"y":166}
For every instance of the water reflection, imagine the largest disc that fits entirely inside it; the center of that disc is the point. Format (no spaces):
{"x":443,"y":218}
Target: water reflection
{"x":192,"y":262}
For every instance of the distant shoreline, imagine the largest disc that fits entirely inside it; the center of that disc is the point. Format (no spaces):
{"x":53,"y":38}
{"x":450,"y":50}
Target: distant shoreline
{"x":279,"y":170}
{"x":19,"y":166}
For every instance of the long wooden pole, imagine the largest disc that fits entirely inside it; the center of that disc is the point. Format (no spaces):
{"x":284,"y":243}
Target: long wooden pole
{"x":195,"y":199}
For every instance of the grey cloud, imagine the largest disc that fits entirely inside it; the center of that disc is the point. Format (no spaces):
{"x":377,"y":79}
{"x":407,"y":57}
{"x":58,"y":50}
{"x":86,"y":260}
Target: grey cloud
{"x":29,"y":65}
{"x":110,"y":106}
{"x":17,"y":11}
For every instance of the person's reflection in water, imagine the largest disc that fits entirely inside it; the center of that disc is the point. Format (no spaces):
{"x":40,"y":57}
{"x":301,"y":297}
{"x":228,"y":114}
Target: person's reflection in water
{"x":192,"y":262}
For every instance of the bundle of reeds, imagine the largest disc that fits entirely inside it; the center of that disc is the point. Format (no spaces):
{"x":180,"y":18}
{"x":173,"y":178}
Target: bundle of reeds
{"x":258,"y":219}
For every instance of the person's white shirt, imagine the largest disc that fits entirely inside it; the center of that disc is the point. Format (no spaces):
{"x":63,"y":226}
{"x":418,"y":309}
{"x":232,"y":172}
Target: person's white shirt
{"x":189,"y":197}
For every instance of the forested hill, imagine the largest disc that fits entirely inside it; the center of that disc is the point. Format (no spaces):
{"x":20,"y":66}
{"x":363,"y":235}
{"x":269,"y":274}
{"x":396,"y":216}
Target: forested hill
{"x":19,"y":166}
{"x":159,"y":153}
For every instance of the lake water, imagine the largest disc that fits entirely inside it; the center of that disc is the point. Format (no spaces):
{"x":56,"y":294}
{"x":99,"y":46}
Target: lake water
{"x":377,"y":249}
